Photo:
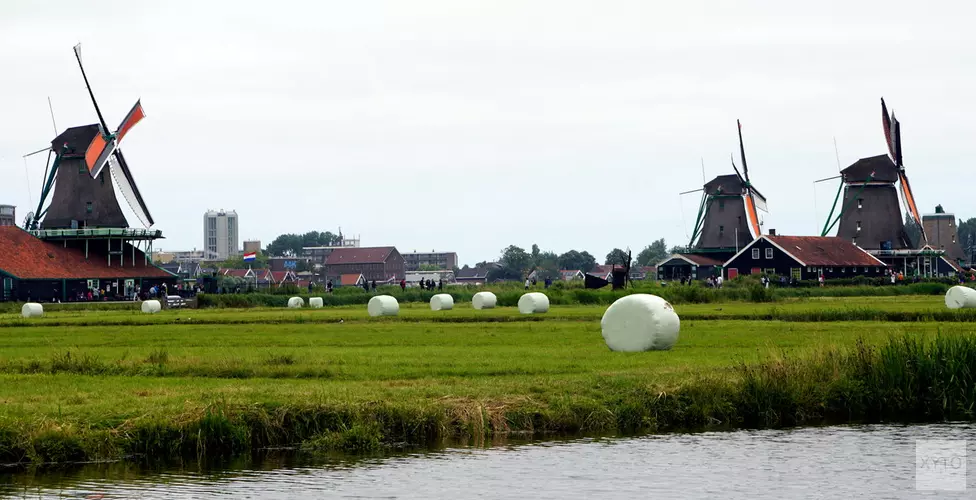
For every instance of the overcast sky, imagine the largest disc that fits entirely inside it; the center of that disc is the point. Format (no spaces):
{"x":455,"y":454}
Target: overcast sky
{"x":469,"y":126}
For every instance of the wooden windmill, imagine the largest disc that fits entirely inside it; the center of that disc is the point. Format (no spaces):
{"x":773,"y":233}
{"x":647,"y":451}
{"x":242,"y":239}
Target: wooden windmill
{"x":728,"y":215}
{"x":870,"y":214}
{"x":75,"y":182}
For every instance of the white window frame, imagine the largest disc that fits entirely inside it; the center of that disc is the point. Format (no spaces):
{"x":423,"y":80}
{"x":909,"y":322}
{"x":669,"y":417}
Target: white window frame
{"x":755,"y":254}
{"x":769,"y":253}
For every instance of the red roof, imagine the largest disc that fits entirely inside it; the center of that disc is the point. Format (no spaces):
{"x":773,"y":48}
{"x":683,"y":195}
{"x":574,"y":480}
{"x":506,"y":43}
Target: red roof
{"x":278,"y":276}
{"x":350,"y":279}
{"x":26,"y":257}
{"x":824,"y":251}
{"x":702,"y":260}
{"x":359,"y":255}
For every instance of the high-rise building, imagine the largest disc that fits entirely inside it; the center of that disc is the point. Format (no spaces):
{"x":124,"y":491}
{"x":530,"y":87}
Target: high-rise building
{"x":220,"y":234}
{"x":8,"y":215}
{"x":439,"y":260}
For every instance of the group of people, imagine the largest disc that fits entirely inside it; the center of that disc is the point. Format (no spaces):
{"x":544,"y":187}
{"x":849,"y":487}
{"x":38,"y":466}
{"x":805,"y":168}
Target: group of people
{"x":427,"y":284}
{"x":533,"y":282}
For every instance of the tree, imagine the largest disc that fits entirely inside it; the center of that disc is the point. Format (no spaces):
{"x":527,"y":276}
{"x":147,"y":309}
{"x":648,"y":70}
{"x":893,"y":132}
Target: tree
{"x":653,"y":253}
{"x":547,"y":265}
{"x":259,"y":262}
{"x":677,"y":249}
{"x":515,"y":262}
{"x":617,"y":257}
{"x":576,"y":260}
{"x":290,"y":245}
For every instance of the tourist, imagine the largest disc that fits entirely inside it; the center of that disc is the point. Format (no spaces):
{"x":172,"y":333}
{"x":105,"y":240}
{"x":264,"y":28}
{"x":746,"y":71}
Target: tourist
{"x":403,"y":285}
{"x":821,"y":280}
{"x":373,"y":285}
{"x":440,"y":284}
{"x":328,"y":286}
{"x":718,"y":281}
{"x":526,"y":283}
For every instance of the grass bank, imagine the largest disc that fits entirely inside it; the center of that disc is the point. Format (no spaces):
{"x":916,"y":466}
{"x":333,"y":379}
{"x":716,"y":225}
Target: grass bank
{"x":167,"y":391}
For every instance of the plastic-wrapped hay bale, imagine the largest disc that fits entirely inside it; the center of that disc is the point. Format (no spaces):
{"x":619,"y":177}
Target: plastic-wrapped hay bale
{"x":383,"y":305}
{"x":640,"y":322}
{"x":533,"y":303}
{"x":959,"y":297}
{"x":315,"y":302}
{"x":296,"y":302}
{"x":484,"y":300}
{"x":151,"y":306}
{"x":32,"y":310}
{"x":441,"y":302}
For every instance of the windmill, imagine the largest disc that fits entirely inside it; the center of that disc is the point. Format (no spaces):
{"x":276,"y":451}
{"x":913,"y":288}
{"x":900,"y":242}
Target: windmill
{"x":728,"y":215}
{"x":75,"y":181}
{"x":870,"y":214}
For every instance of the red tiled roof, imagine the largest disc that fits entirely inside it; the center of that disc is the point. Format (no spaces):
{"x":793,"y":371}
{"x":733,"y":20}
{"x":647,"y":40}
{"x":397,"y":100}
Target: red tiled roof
{"x":824,"y":251}
{"x":349,"y":279}
{"x":359,"y":255}
{"x":702,"y":260}
{"x":26,"y":257}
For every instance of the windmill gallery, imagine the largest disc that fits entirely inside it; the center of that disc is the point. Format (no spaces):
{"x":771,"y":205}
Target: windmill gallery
{"x":78,"y":238}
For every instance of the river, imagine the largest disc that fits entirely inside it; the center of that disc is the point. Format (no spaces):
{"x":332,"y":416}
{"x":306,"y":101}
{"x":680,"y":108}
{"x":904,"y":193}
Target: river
{"x":876,"y":461}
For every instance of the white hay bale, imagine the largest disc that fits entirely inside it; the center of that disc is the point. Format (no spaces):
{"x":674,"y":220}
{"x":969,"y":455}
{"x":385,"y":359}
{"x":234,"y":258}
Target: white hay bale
{"x":959,"y":297}
{"x":315,"y":302}
{"x":442,"y":302}
{"x":484,"y":300}
{"x":533,"y":303}
{"x":32,"y":310}
{"x":383,"y":305}
{"x":151,"y":306}
{"x":296,"y":302}
{"x":640,"y":322}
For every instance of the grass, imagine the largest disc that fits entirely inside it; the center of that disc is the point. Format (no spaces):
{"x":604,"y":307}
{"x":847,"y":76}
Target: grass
{"x":95,"y":385}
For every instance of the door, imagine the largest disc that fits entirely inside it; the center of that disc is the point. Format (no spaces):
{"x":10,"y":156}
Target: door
{"x":756,"y":270}
{"x":795,"y":273}
{"x":733,"y":273}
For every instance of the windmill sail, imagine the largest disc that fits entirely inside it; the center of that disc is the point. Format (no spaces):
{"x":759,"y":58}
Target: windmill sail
{"x":749,"y":197}
{"x":127,"y":186}
{"x":892,"y":129}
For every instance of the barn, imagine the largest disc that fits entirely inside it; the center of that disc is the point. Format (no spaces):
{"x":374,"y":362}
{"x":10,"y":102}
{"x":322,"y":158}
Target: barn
{"x":804,"y":258}
{"x":684,"y":265}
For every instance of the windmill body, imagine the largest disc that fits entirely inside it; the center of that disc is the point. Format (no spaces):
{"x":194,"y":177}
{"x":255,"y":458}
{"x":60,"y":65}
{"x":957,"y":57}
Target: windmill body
{"x":872,"y":218}
{"x":78,"y":200}
{"x":725,"y":225}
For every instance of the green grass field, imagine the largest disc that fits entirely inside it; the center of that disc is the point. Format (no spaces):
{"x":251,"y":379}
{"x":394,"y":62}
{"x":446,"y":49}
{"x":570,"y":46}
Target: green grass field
{"x":113,"y":383}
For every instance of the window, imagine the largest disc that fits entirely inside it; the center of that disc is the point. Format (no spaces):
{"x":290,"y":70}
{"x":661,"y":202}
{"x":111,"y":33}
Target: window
{"x":860,"y":202}
{"x":88,"y":207}
{"x":953,"y":238}
{"x":770,"y":270}
{"x":842,"y":269}
{"x":769,"y":253}
{"x":755,"y":254}
{"x":721,"y":229}
{"x":721,"y":204}
{"x":795,"y":273}
{"x":858,"y":225}
{"x":81,"y":168}
{"x":866,"y":270}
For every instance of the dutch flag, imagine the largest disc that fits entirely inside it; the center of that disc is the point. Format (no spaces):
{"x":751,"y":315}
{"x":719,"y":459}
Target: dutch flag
{"x":250,"y":256}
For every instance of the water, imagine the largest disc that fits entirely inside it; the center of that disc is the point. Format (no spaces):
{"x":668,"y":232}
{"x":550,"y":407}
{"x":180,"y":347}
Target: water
{"x":827,"y":462}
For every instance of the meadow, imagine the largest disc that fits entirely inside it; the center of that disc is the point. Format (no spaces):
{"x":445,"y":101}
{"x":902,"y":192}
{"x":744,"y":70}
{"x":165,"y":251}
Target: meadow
{"x":88,"y":384}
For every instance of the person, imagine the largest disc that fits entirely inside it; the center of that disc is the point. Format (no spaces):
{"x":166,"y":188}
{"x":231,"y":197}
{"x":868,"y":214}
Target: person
{"x":328,"y":286}
{"x":782,"y":281}
{"x":373,"y":285}
{"x":718,"y":281}
{"x":526,"y":283}
{"x":403,"y":285}
{"x":440,"y":284}
{"x":548,"y":282}
{"x":821,"y":280}
{"x":366,"y":286}
{"x":534,"y":281}
{"x":309,"y":287}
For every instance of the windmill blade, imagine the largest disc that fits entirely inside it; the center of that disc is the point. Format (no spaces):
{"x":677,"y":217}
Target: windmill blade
{"x":127,"y":185}
{"x":742,"y":152}
{"x":99,"y":151}
{"x":90,"y":93}
{"x":135,"y":115}
{"x":896,"y":141}
{"x":886,"y":124}
{"x":692,"y":191}
{"x":751,"y":214}
{"x":906,"y":191}
{"x":759,"y":200}
{"x":741,"y":179}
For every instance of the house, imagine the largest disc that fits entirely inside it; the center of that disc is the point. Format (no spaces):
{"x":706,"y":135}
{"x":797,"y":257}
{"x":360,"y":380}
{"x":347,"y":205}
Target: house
{"x":604,"y":272}
{"x":638,"y":273}
{"x":942,"y":234}
{"x":38,"y":270}
{"x":441,"y":260}
{"x":571,"y":274}
{"x":279,"y":278}
{"x":380,"y":264}
{"x":355,"y":279}
{"x":473,"y":275}
{"x":697,"y":266}
{"x":804,"y":258}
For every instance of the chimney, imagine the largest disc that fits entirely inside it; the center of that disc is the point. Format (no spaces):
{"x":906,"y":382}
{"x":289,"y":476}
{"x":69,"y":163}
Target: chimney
{"x":772,"y":232}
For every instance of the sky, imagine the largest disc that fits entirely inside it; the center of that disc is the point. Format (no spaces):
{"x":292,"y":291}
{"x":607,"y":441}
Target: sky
{"x":470,"y":126}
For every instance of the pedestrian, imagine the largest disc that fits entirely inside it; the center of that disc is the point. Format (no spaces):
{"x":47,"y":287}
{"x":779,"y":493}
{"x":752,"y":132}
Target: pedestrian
{"x":718,"y":281}
{"x":821,"y":280}
{"x":373,"y":285}
{"x":440,"y":284}
{"x":548,"y":282}
{"x":328,"y":286}
{"x":403,"y":285}
{"x":526,"y":283}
